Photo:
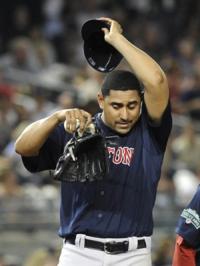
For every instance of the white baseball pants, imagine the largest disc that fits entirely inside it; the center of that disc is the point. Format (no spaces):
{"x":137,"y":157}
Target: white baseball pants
{"x":78,"y":255}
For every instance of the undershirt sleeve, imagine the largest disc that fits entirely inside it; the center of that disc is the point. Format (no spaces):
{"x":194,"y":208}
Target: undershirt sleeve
{"x":183,"y":254}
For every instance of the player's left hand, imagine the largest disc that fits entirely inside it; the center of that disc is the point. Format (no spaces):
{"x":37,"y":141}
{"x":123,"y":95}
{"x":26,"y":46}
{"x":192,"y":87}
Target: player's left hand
{"x":115,"y":29}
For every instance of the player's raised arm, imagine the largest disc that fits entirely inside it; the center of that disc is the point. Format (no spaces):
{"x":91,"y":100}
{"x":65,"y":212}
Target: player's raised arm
{"x":150,"y":74}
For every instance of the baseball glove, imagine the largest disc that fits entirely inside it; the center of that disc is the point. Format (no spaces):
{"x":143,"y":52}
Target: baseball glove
{"x":85,"y":158}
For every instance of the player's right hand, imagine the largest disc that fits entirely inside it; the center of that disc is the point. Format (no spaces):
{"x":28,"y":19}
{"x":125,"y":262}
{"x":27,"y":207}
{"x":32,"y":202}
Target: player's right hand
{"x":74,"y":118}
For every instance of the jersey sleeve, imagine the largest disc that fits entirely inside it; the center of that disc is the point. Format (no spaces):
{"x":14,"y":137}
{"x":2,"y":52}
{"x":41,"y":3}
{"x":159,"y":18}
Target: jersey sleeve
{"x":160,"y":131}
{"x":49,"y":153}
{"x":189,"y":221}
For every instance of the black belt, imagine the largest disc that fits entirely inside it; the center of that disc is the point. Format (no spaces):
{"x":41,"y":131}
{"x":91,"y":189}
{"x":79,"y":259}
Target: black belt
{"x":111,"y":247}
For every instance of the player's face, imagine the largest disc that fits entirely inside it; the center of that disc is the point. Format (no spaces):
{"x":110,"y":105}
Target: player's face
{"x":121,"y":109}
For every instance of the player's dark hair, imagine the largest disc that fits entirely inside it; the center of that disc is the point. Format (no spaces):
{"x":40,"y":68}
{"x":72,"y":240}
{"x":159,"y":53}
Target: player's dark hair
{"x":121,"y":80}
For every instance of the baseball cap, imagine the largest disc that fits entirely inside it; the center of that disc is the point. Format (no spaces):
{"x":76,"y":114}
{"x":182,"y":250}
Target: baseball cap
{"x":99,"y":54}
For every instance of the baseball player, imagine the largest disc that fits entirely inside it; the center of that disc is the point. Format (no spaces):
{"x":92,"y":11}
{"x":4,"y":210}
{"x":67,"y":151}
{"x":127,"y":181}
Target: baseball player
{"x":188,"y":234}
{"x":109,"y":222}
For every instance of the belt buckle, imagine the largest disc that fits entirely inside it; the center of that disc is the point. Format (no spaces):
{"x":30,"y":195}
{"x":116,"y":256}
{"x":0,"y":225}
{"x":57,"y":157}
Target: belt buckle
{"x":110,"y":247}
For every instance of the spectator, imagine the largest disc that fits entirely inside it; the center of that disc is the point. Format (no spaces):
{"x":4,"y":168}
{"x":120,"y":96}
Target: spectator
{"x":186,"y":148}
{"x":20,"y":57}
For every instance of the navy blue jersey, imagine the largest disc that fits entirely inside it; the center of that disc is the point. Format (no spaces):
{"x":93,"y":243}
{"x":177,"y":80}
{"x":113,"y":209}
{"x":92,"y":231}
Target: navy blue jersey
{"x":189,"y":222}
{"x":121,"y":204}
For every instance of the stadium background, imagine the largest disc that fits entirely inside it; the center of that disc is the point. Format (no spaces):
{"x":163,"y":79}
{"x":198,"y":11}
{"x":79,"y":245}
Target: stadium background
{"x":42,"y":68}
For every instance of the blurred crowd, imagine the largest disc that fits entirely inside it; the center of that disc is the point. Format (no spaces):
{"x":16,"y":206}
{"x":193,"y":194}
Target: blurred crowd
{"x":43,"y":69}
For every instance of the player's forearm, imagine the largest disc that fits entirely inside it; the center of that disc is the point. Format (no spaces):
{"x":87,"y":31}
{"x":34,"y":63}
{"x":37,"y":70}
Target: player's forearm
{"x":34,"y":136}
{"x":144,"y":67}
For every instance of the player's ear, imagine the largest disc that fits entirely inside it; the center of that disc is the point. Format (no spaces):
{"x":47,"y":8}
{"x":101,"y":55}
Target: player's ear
{"x":142,"y":99}
{"x":100,"y":100}
{"x":141,"y":107}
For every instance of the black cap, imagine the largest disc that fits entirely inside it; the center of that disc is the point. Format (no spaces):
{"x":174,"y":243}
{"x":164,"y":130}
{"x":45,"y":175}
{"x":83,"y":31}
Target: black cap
{"x":100,"y":55}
